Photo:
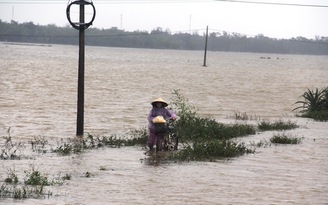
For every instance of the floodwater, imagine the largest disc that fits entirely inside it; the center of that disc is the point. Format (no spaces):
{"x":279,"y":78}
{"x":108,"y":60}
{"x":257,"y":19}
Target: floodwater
{"x":38,"y":95}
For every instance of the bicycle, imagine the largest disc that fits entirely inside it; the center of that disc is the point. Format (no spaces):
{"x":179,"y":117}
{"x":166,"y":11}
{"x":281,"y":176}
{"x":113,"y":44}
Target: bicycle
{"x":167,"y":139}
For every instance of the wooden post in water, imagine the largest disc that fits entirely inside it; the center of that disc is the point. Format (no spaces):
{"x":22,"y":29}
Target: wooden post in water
{"x":205,"y":52}
{"x":80,"y":92}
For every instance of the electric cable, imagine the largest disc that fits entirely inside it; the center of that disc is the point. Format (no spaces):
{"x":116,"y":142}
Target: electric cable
{"x":161,"y":1}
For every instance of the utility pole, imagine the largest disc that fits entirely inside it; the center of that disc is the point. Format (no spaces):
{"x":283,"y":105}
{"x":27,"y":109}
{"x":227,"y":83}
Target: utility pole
{"x":81,"y":26}
{"x":205,"y":51}
{"x":190,"y":24}
{"x":12,"y":14}
{"x":121,"y":22}
{"x":80,"y":92}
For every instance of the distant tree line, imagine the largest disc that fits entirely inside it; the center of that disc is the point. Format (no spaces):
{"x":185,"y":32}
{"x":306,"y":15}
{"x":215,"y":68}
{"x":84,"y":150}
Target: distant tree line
{"x":161,"y":39}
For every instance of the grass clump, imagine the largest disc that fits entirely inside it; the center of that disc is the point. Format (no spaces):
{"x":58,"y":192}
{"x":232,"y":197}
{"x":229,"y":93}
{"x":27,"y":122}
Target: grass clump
{"x":103,"y":168}
{"x":284,"y":139}
{"x":191,"y":127}
{"x":314,"y":104}
{"x":39,"y":144}
{"x":10,"y":150}
{"x":67,"y":177}
{"x":277,"y":125}
{"x":244,"y":116}
{"x":36,"y":178}
{"x":68,"y":148}
{"x":261,"y":143}
{"x":12,"y":177}
{"x":23,"y":192}
{"x":88,"y":174}
{"x":317,"y":115}
{"x":211,"y":151}
{"x":78,"y":145}
{"x":199,"y":129}
{"x":32,"y":186}
{"x":203,"y":138}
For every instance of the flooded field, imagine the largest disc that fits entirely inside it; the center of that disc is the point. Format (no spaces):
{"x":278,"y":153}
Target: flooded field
{"x":38,"y":94}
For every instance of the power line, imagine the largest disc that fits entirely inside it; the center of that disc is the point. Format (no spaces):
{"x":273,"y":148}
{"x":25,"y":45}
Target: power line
{"x":103,"y":1}
{"x":274,"y":3}
{"x":158,"y":1}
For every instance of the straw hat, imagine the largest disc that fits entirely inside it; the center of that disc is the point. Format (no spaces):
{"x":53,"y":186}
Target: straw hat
{"x":161,"y":101}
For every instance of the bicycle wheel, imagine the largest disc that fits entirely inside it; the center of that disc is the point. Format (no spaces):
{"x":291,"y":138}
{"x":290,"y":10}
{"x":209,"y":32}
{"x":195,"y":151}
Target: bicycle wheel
{"x":159,"y":143}
{"x":175,"y":140}
{"x":165,"y":148}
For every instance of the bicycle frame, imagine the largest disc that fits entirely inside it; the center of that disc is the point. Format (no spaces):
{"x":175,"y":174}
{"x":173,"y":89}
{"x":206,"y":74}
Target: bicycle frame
{"x":167,"y":141}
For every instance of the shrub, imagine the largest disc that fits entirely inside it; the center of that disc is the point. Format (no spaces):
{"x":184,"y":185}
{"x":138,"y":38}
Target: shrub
{"x":284,"y":139}
{"x":190,"y":127}
{"x":210,"y":151}
{"x":277,"y":125}
{"x":204,"y":138}
{"x":314,"y":104}
{"x":36,"y":178}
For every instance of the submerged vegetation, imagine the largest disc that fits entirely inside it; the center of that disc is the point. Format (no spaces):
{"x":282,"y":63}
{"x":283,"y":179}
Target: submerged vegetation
{"x":280,"y":138}
{"x":204,"y":138}
{"x":277,"y":125}
{"x":137,"y":137}
{"x":210,"y":150}
{"x":285,"y":139}
{"x":33,"y":185}
{"x":314,"y":104}
{"x":244,"y":116}
{"x":10,"y":150}
{"x":200,"y":139}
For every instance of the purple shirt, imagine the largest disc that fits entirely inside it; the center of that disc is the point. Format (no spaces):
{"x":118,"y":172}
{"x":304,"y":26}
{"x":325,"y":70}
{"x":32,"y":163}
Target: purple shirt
{"x":167,"y":115}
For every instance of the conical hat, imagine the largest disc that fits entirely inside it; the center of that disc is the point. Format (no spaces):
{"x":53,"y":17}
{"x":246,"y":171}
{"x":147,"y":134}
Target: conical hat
{"x":160,"y":100}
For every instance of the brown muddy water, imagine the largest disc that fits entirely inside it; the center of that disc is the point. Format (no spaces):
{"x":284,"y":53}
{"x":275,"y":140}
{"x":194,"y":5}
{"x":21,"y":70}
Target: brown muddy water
{"x":38,"y":94}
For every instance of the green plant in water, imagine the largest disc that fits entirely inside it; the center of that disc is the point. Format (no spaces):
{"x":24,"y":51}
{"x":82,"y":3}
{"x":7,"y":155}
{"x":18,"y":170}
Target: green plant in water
{"x":39,"y":144}
{"x":181,"y":106}
{"x":33,"y":186}
{"x":22,"y":192}
{"x":103,"y":168}
{"x":87,"y":174}
{"x":35,"y":177}
{"x":210,"y":151}
{"x":317,"y":115}
{"x":204,"y":128}
{"x":203,"y":138}
{"x":90,"y":142}
{"x":277,"y":125}
{"x":190,"y":127}
{"x":64,"y":149}
{"x":314,"y":104}
{"x":75,"y":145}
{"x":244,"y":116}
{"x":10,"y":150}
{"x":12,"y":177}
{"x":313,"y":100}
{"x":67,"y":177}
{"x":261,"y":143}
{"x":284,"y":139}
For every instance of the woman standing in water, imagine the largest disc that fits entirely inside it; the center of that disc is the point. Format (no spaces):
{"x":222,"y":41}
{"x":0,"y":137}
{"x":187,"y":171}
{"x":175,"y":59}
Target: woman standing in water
{"x":159,"y":110}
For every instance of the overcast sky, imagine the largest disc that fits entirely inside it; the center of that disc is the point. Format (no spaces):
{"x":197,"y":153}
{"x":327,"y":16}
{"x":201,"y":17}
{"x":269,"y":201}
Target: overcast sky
{"x":272,"y":20}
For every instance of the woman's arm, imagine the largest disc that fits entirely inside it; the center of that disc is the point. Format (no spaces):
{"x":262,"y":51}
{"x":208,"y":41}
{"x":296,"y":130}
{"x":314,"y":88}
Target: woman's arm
{"x":150,"y":117}
{"x":173,"y":115}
